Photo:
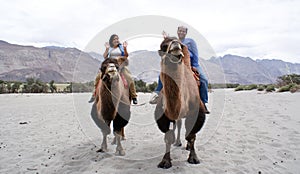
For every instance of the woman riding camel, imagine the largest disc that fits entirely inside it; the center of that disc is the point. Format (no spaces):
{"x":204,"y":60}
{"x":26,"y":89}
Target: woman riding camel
{"x":114,"y":49}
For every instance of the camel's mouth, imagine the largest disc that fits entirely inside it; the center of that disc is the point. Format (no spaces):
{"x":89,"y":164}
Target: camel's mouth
{"x":171,"y":51}
{"x":111,"y":70}
{"x":176,"y":50}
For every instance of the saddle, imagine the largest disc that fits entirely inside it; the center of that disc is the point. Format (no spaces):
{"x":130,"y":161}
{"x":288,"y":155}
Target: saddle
{"x":196,"y":76}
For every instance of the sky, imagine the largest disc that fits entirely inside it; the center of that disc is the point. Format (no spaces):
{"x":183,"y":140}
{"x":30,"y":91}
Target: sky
{"x":260,"y":29}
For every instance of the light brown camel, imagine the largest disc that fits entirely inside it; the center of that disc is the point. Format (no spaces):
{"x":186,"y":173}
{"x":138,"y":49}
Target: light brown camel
{"x":180,"y":99}
{"x":111,"y":105}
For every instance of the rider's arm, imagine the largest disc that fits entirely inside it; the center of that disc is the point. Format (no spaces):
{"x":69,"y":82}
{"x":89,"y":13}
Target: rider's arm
{"x":125,"y":52}
{"x":105,"y":54}
{"x":193,"y":49}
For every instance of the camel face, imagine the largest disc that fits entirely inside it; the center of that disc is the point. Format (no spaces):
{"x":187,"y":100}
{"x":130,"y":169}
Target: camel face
{"x":171,"y":51}
{"x":109,"y":70}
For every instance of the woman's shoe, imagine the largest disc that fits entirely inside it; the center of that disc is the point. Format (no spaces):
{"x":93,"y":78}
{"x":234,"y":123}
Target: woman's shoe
{"x":134,"y":100}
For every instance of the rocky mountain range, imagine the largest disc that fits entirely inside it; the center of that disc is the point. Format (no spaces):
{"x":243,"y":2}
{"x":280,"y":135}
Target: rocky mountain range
{"x":17,"y":63}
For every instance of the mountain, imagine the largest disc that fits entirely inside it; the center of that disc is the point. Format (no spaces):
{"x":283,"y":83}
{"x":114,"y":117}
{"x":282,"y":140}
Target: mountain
{"x":61,"y":64}
{"x":244,"y":70}
{"x":145,"y":65}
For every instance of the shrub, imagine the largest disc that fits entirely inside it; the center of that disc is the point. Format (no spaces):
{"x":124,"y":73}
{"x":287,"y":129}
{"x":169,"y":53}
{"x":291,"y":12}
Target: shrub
{"x":270,"y":88}
{"x":295,"y":88}
{"x":250,"y":87}
{"x":239,"y":88}
{"x":261,"y":88}
{"x":287,"y":87}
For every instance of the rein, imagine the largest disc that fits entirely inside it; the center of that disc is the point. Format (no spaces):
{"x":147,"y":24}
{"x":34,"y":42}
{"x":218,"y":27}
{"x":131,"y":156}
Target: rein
{"x":112,"y":94}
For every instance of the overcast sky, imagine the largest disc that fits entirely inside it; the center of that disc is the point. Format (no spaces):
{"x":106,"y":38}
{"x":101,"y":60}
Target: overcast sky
{"x":254,"y":28}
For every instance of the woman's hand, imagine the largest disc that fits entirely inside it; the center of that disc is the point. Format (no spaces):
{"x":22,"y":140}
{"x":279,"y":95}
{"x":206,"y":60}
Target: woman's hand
{"x":125,"y":44}
{"x":106,"y":45}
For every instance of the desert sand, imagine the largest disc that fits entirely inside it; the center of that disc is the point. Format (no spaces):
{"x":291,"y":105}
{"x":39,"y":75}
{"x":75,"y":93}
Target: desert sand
{"x":246,"y":132}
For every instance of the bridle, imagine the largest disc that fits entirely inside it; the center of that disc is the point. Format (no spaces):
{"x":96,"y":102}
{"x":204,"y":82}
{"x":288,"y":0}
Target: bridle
{"x":107,"y":71}
{"x":167,"y":52}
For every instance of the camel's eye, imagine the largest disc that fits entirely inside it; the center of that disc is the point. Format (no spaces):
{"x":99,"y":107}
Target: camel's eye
{"x":164,"y":47}
{"x":103,"y":68}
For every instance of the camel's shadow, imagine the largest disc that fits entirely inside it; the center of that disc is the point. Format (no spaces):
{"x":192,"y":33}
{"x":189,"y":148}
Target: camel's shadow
{"x":83,"y":158}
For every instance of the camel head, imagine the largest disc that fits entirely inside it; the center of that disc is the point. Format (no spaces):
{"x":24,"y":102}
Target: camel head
{"x":109,"y":70}
{"x":171,"y":51}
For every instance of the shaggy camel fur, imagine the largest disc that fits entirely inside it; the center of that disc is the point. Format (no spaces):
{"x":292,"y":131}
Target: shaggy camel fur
{"x":111,"y":105}
{"x":180,"y":99}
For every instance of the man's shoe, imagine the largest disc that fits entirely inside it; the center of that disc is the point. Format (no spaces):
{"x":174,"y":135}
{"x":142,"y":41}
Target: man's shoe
{"x":154,"y":99}
{"x":134,"y":100}
{"x":92,"y":99}
{"x":206,"y":110}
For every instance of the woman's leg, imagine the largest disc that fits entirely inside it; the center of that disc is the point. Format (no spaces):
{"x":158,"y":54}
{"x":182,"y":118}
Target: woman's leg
{"x":130,"y":81}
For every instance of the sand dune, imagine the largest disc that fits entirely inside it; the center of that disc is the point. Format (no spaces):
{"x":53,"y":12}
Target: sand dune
{"x":246,"y":132}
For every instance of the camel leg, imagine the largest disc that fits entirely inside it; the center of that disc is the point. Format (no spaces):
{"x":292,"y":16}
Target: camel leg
{"x":178,"y":141}
{"x":114,"y":142}
{"x":103,"y":144}
{"x":164,"y":125}
{"x":193,"y":159}
{"x":169,"y":140}
{"x":105,"y":131}
{"x":193,"y":125}
{"x":123,"y":134}
{"x":103,"y":126}
{"x":119,"y":149}
{"x":119,"y":123}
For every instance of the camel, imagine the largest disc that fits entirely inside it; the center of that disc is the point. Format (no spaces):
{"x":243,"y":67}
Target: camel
{"x":180,"y":99}
{"x":112,"y":104}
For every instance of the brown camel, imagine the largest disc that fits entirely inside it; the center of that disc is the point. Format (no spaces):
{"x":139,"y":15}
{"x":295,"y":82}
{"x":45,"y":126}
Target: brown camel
{"x":111,"y":105}
{"x":180,"y":98}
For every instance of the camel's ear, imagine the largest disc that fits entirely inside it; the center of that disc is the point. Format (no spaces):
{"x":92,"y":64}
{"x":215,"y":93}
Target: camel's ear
{"x":165,"y":34}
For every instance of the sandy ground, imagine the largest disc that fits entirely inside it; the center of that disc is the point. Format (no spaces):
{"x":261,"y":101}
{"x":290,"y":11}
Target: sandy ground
{"x":246,"y":132}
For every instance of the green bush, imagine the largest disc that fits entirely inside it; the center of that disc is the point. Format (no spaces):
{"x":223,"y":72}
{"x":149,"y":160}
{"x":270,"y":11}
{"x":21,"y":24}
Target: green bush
{"x":261,"y":88}
{"x":250,"y":87}
{"x":284,"y":88}
{"x":270,"y":88}
{"x":240,"y":88}
{"x":295,"y":88}
{"x":287,"y":87}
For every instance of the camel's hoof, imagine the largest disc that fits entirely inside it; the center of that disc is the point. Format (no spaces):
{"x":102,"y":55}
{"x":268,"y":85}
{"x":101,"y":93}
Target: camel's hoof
{"x":120,"y":152}
{"x":101,"y":150}
{"x":193,"y":159}
{"x":177,"y":144}
{"x":165,"y":164}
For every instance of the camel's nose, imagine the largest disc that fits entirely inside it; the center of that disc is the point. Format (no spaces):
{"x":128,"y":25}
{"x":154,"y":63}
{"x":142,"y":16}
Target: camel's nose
{"x":111,"y":67}
{"x":176,"y":49}
{"x":175,"y":46}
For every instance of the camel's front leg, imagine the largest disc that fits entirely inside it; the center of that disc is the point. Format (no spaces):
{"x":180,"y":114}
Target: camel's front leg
{"x":178,"y":141}
{"x":169,"y":139}
{"x":103,"y":144}
{"x":119,"y":149}
{"x":105,"y":131}
{"x":193,"y":159}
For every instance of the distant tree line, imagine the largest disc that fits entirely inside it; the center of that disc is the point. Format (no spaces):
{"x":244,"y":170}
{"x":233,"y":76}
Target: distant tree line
{"x":290,"y":82}
{"x":33,"y":85}
{"x":284,"y":83}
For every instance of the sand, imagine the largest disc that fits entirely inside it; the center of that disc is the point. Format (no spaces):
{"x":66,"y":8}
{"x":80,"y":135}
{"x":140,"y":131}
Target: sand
{"x":246,"y":132}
